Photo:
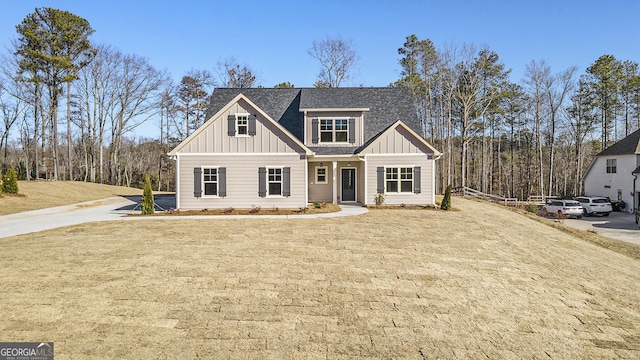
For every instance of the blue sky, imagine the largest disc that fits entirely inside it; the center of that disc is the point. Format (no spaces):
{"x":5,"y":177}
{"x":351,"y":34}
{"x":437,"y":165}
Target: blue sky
{"x":272,"y":37}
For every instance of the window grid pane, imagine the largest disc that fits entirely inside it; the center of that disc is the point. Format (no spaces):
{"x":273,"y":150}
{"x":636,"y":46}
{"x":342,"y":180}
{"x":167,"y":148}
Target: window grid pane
{"x":275,"y":181}
{"x":210,"y":180}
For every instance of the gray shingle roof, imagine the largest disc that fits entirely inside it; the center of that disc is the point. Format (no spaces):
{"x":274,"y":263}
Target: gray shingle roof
{"x":626,"y":146}
{"x":386,"y":106}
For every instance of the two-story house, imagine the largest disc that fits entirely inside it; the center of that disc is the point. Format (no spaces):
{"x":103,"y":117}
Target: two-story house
{"x":610,"y":172}
{"x":289,"y":147}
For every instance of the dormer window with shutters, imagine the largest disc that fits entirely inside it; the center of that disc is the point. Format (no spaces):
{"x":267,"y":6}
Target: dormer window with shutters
{"x":241,"y":125}
{"x":333,"y":131}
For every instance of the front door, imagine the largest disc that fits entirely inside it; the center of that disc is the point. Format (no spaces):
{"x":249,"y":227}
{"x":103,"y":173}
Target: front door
{"x":348,"y":185}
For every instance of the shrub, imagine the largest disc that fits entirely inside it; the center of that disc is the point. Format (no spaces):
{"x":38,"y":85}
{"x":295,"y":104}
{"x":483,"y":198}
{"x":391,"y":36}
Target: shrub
{"x":10,"y":181}
{"x":317,"y":205}
{"x":254,"y":209}
{"x":147,"y":205}
{"x":531,"y":207}
{"x":379,"y":199}
{"x":446,"y":201}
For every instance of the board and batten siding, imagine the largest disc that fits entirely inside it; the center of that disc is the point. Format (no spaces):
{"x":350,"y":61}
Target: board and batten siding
{"x":399,"y":141}
{"x":426,"y":195}
{"x":242,"y":181}
{"x":358,"y":116}
{"x":214,"y":138}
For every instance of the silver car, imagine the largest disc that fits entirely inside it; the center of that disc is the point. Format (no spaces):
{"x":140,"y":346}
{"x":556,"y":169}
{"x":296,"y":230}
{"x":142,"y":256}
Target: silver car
{"x":595,"y":205}
{"x":569,"y":208}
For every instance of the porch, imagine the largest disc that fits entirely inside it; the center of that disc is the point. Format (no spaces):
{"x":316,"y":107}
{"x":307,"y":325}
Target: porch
{"x":337,"y":180}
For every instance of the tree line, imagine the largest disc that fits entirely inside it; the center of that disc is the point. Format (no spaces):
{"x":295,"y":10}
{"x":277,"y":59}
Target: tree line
{"x":69,"y":109}
{"x":535,"y":137}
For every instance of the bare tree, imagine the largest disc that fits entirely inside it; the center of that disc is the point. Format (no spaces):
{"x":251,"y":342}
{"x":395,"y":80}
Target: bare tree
{"x":233,"y":75}
{"x":337,"y":59}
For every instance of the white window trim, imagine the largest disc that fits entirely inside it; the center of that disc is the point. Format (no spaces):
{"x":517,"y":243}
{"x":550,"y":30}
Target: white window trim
{"x":237,"y":126}
{"x":203,"y":183}
{"x":399,"y":180}
{"x":326,"y":175}
{"x":281,"y":181}
{"x":333,"y":131}
{"x":614,"y":166}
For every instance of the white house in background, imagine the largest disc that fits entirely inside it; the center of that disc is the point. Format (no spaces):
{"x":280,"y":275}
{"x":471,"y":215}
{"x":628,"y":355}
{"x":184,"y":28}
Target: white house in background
{"x":289,"y":147}
{"x":611,"y":171}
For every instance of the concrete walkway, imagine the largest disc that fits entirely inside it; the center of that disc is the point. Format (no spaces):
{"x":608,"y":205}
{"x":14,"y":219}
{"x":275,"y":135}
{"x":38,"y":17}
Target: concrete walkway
{"x":119,"y":208}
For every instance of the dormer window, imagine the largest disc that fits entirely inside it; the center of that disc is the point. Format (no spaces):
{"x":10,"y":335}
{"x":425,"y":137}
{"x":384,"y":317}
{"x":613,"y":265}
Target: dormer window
{"x":333,"y":131}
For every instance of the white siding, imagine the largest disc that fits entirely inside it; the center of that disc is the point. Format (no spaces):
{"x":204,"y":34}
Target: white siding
{"x":242,"y":181}
{"x":427,"y":194}
{"x":599,"y":183}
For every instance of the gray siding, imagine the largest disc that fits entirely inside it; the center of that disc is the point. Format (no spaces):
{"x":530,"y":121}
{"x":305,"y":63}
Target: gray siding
{"x":215,"y":138}
{"x":241,"y":181}
{"x":357,"y":115}
{"x":398,"y":141}
{"x":426,"y":178}
{"x":320,"y":192}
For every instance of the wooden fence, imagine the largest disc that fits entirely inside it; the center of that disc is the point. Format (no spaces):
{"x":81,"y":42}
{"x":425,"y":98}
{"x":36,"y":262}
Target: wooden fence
{"x":467,"y":191}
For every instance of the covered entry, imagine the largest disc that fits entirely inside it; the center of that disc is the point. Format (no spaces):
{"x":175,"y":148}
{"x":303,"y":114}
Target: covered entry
{"x":348,"y":176}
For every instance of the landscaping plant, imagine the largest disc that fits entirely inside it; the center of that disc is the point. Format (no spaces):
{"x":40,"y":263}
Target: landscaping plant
{"x":147,"y":205}
{"x":10,"y":181}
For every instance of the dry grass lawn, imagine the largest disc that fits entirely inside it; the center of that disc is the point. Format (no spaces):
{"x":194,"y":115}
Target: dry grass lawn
{"x":34,"y":195}
{"x":479,"y":282}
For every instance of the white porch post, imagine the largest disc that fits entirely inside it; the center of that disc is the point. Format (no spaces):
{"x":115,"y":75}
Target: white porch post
{"x":335,"y":182}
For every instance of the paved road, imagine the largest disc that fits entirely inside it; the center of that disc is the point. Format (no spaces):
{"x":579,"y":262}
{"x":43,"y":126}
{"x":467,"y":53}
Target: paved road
{"x":118,"y":208}
{"x":618,"y":225}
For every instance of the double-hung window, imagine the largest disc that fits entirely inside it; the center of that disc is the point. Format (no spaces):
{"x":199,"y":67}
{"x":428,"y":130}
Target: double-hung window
{"x":399,"y":179}
{"x":242,"y":124}
{"x":612,"y":166}
{"x":321,"y":175}
{"x":334,"y":130}
{"x":274,"y":181}
{"x":210,"y":181}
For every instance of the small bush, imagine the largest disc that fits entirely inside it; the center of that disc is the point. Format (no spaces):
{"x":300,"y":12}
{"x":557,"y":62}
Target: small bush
{"x":446,"y":201}
{"x":378,"y":199}
{"x":254,"y":209}
{"x":10,"y":181}
{"x":147,"y":205}
{"x":228,"y":210}
{"x":317,"y":205}
{"x":532,"y":208}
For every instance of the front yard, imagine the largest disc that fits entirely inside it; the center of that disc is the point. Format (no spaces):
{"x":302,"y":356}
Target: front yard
{"x":416,"y":284}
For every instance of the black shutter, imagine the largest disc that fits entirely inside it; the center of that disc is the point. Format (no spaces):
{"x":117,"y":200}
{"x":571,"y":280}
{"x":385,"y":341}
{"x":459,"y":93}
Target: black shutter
{"x":352,"y":130}
{"x":286,"y":181}
{"x":416,"y":180}
{"x":197,"y":182}
{"x":314,"y":131}
{"x":252,"y":125}
{"x":262,"y":182}
{"x":222,"y":181}
{"x":381,"y":179}
{"x":231,"y":123}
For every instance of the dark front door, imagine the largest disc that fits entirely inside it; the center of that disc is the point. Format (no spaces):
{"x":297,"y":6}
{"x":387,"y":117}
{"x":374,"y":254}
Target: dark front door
{"x":348,"y":185}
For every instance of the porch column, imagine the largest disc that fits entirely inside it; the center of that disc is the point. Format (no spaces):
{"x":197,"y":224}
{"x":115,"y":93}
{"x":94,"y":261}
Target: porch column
{"x":335,"y":182}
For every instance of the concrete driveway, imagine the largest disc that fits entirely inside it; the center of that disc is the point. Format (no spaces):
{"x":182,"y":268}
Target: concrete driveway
{"x":118,"y":208}
{"x":618,"y":225}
